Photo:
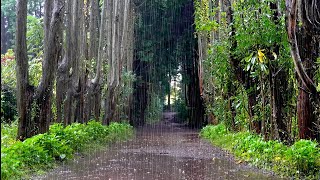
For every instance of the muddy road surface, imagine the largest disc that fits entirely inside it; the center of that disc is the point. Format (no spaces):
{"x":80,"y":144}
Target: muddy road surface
{"x":163,"y":151}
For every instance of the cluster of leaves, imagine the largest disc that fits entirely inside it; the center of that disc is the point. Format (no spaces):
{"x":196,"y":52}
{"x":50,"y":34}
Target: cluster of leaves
{"x":59,"y":144}
{"x":8,"y":68}
{"x":203,"y":12}
{"x":263,"y":50}
{"x":35,"y":10}
{"x":35,"y":35}
{"x":8,"y":84}
{"x":35,"y":52}
{"x":35,"y":38}
{"x":8,"y":134}
{"x":9,"y":81}
{"x":302,"y":159}
{"x":254,"y":45}
{"x":8,"y":65}
{"x":258,"y":33}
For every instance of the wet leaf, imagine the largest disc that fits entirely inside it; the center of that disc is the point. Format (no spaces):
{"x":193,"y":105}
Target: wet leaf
{"x":261,"y":55}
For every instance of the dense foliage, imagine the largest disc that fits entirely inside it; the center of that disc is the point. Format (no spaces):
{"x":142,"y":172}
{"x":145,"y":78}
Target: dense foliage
{"x":8,"y":83}
{"x":59,"y":144}
{"x":302,"y":159}
{"x":250,"y":81}
{"x":8,"y":68}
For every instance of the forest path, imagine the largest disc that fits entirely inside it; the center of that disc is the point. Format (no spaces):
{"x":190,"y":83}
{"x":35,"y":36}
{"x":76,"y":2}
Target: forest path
{"x":165,"y":150}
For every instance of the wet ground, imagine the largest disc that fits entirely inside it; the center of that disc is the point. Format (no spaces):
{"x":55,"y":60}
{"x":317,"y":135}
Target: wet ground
{"x":164,"y":151}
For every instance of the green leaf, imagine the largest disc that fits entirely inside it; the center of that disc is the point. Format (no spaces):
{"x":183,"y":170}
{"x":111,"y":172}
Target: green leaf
{"x":62,"y":156}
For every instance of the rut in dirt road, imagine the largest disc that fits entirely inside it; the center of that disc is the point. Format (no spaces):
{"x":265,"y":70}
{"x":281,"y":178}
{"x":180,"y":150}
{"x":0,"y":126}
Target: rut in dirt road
{"x":166,"y":150}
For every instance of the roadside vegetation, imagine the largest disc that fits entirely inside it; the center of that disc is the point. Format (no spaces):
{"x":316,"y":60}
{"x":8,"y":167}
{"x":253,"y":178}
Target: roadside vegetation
{"x":260,"y":63}
{"x":44,"y":151}
{"x":300,"y":160}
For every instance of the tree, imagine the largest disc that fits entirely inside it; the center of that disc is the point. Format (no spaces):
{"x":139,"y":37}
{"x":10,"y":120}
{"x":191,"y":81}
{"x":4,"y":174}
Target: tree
{"x":36,"y":100}
{"x":247,"y":53}
{"x":305,"y":50}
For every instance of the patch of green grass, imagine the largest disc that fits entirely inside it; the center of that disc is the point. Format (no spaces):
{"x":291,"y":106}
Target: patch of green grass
{"x":40,"y":152}
{"x":301,"y":160}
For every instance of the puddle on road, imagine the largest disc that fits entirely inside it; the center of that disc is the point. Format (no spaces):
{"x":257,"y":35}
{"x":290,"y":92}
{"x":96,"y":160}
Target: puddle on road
{"x":165,"y":151}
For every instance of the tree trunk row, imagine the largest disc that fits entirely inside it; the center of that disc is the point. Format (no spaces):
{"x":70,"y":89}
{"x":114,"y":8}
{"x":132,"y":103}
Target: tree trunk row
{"x":79,"y":89}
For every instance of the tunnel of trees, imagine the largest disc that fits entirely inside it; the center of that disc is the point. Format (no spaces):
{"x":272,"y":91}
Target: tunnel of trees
{"x":251,"y":64}
{"x":108,"y":60}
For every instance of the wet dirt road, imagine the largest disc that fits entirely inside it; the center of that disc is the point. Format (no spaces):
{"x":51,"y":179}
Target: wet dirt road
{"x":165,"y":151}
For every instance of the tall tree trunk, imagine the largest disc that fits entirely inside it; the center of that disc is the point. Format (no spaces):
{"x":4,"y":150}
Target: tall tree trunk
{"x":65,"y":67}
{"x":92,"y":100}
{"x":231,"y":88}
{"x":305,"y":50}
{"x":130,"y":53}
{"x":25,"y":128}
{"x":116,"y":57}
{"x":82,"y":65}
{"x":48,"y":7}
{"x":42,"y":96}
{"x":94,"y":29}
{"x":307,"y":99}
{"x":52,"y":54}
{"x":74,"y":58}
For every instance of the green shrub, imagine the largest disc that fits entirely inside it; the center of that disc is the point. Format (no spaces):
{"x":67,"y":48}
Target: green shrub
{"x":302,"y":159}
{"x":8,"y":134}
{"x":304,"y":156}
{"x":60,"y":143}
{"x":96,"y":131}
{"x":213,"y":132}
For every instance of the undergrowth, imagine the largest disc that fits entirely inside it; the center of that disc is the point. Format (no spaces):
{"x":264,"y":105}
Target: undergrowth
{"x":300,"y":160}
{"x":43,"y":151}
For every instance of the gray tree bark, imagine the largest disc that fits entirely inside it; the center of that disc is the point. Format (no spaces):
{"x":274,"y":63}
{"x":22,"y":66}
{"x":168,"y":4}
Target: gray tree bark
{"x":25,"y":127}
{"x":41,"y":107}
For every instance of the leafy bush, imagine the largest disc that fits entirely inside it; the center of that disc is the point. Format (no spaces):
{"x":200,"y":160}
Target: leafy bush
{"x":8,"y":65}
{"x":304,"y":155}
{"x":8,"y":134}
{"x":59,"y":144}
{"x":302,"y":159}
{"x":9,"y":81}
